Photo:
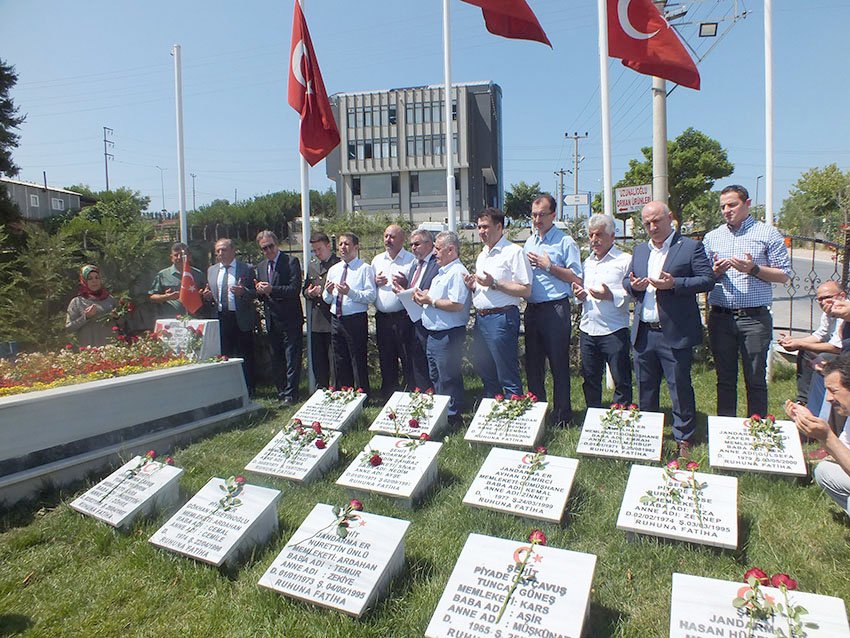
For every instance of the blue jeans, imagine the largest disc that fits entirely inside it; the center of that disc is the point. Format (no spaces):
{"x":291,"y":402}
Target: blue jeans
{"x":445,"y":355}
{"x":495,"y":352}
{"x":596,"y":350}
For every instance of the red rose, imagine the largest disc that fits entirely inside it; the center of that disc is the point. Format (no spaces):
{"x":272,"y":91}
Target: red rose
{"x":413,"y":423}
{"x":345,"y":388}
{"x":375,"y":460}
{"x":515,"y":397}
{"x":114,"y":328}
{"x":320,"y":444}
{"x":758,"y":574}
{"x":692,"y":465}
{"x":169,"y":460}
{"x":771,"y":418}
{"x":500,"y":397}
{"x":532,"y":396}
{"x":537,"y":537}
{"x":633,"y":406}
{"x":296,"y":421}
{"x":299,"y":430}
{"x":424,"y":437}
{"x":240,"y":480}
{"x":151,"y":454}
{"x":778,"y":580}
{"x":540,"y":449}
{"x":429,"y":391}
{"x":317,"y":427}
{"x":331,"y":388}
{"x":756,"y":417}
{"x":673,"y":465}
{"x":69,"y":347}
{"x":391,"y":415}
{"x":359,"y":390}
{"x":417,"y":390}
{"x":355,"y":505}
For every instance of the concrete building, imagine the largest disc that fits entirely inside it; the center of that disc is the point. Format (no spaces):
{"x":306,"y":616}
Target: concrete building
{"x":391,"y":153}
{"x":37,"y":201}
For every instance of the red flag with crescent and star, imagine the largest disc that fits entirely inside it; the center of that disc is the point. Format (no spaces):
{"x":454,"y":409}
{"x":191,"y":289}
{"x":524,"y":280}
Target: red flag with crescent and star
{"x":307,"y":95}
{"x":639,"y":35}
{"x":190,"y":296}
{"x":511,"y":19}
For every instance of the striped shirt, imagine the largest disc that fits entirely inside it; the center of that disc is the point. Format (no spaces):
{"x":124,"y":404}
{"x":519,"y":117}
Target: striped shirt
{"x":735,"y":289}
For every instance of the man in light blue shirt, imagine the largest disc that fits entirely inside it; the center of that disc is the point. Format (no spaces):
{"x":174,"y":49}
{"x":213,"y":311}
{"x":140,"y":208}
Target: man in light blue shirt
{"x":556,"y":266}
{"x":445,"y":312}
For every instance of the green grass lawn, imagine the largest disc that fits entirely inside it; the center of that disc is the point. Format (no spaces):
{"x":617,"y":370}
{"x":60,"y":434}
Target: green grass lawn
{"x":65,"y":574}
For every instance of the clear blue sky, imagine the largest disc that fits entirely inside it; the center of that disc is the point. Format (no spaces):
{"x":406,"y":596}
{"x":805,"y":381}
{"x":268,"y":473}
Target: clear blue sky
{"x":86,"y":65}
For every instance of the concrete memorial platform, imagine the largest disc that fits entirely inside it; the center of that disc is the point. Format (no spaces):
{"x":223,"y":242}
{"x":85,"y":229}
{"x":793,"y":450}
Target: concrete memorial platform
{"x":662,"y":502}
{"x":527,"y":484}
{"x":429,"y":414}
{"x":702,"y":608}
{"x":336,"y":410}
{"x":134,"y":490}
{"x":639,"y":439}
{"x":292,"y":456}
{"x":732,"y":447}
{"x":347,"y":574}
{"x":199,"y":339}
{"x":521,"y":432}
{"x":406,"y":471}
{"x":221,"y":523}
{"x":551,"y":599}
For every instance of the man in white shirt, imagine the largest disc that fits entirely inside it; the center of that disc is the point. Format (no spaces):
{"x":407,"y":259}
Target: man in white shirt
{"x":604,"y":327}
{"x":393,"y":328}
{"x":502,"y":277}
{"x":349,"y":290}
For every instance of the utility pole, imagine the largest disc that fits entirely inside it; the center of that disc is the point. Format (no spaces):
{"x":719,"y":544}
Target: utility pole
{"x":575,"y":137}
{"x":193,"y":176}
{"x":162,"y":185}
{"x":235,"y":198}
{"x":107,"y":144}
{"x":560,"y":174}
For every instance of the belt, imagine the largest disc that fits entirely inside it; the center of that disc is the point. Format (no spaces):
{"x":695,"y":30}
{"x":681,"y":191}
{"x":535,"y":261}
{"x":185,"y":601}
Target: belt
{"x":493,"y":311}
{"x":652,"y":325}
{"x":741,"y":312}
{"x":553,"y":301}
{"x":390,"y":314}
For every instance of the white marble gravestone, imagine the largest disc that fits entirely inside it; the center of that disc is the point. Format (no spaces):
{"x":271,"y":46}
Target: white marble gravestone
{"x":718,"y":505}
{"x":178,"y":336}
{"x":201,"y":529}
{"x":405,"y":473}
{"x":522,"y":432}
{"x":730,"y":447}
{"x":702,"y":608}
{"x":349,"y":574}
{"x":399,"y":404}
{"x":505,"y":484}
{"x":335,"y":415}
{"x":135,"y":489}
{"x":291,"y":460}
{"x":641,"y":441}
{"x":555,"y":602}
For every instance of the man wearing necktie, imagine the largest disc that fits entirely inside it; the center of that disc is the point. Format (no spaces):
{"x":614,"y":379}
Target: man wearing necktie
{"x":278,"y":287}
{"x":349,"y":290}
{"x":230,"y":287}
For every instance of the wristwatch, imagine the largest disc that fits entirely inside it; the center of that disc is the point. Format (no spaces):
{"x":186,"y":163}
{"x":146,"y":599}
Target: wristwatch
{"x":755,"y":271}
{"x":495,"y":284}
{"x":549,"y":267}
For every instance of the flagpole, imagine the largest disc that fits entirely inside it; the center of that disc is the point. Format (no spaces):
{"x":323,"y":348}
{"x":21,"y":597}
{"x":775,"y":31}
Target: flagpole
{"x":768,"y":111}
{"x":605,"y":108}
{"x":447,"y":118}
{"x":181,"y":169}
{"x":305,"y":245}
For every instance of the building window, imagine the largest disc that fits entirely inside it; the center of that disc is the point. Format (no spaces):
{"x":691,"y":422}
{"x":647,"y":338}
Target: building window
{"x":57,"y":204}
{"x":34,"y":201}
{"x":457,"y":181}
{"x":351,"y":120}
{"x":454,"y":143}
{"x":429,"y":149}
{"x":367,"y":117}
{"x":385,"y":148}
{"x":351,"y":151}
{"x":437,"y":111}
{"x":414,"y":183}
{"x":454,"y":110}
{"x":358,"y":118}
{"x":392,"y":114}
{"x":420,"y":146}
{"x":411,"y":147}
{"x":394,"y":184}
{"x":367,"y":150}
{"x":355,"y":186}
{"x":409,"y":113}
{"x":393,"y":148}
{"x":360,"y":154}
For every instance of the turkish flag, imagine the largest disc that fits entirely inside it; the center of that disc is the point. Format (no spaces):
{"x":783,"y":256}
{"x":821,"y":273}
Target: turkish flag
{"x":511,"y":19}
{"x":190,"y":296}
{"x":640,"y":36}
{"x":307,"y":95}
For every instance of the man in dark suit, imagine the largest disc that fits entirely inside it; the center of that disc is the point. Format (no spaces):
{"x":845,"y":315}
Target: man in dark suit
{"x":320,"y":311}
{"x":422,"y":271}
{"x":665,"y":276}
{"x":279,"y":288}
{"x":230,"y":288}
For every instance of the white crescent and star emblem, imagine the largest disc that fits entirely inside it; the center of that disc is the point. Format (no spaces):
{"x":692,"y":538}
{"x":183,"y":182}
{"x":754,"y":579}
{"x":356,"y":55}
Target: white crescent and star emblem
{"x":623,"y":16}
{"x":299,"y":51}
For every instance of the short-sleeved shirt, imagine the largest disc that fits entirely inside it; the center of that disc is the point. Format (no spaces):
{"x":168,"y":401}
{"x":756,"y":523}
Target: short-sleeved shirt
{"x":564,"y":252}
{"x":448,"y":284}
{"x":505,"y":260}
{"x":735,"y":289}
{"x":171,"y":277}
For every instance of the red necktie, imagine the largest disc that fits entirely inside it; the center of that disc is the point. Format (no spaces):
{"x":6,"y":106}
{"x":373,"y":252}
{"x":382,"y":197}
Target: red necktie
{"x":417,"y":273}
{"x":339,"y":295}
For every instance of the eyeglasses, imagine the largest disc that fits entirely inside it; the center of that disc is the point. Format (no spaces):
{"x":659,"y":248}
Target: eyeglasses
{"x":825,"y":297}
{"x":266,"y":247}
{"x":539,"y":215}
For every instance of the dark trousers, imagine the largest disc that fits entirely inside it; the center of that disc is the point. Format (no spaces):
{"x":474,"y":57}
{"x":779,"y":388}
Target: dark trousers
{"x":445,"y":359}
{"x":320,"y":349}
{"x":596,"y":350}
{"x":749,"y":337}
{"x":393,"y":331}
{"x":350,"y":336}
{"x":655,"y":358}
{"x":418,"y":360}
{"x":287,"y":346}
{"x":237,"y":343}
{"x":548,"y":327}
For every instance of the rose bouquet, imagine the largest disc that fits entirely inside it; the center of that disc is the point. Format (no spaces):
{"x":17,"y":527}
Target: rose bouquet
{"x":507,"y":410}
{"x":764,"y":432}
{"x":760,"y":607}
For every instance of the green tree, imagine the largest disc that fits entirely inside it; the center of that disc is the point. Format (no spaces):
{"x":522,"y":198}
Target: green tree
{"x":9,"y":121}
{"x":518,"y":200}
{"x":819,"y":204}
{"x":122,"y":204}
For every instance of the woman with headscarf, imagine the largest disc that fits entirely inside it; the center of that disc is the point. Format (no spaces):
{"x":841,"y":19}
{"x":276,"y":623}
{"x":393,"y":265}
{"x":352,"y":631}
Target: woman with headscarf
{"x":86,"y":311}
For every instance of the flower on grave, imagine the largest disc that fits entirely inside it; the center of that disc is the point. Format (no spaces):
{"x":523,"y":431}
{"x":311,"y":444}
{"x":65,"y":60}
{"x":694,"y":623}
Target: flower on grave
{"x":678,"y":482}
{"x":764,"y":432}
{"x":424,"y":437}
{"x":320,"y":444}
{"x":761,"y":607}
{"x":344,"y":516}
{"x":413,"y":423}
{"x":356,"y":505}
{"x":536,"y":537}
{"x":391,"y":415}
{"x":510,"y":409}
{"x":537,"y":463}
{"x":297,"y":437}
{"x":317,"y":427}
{"x":780,"y":580}
{"x":133,"y":472}
{"x":420,"y":407}
{"x":372,"y":458}
{"x":499,"y":398}
{"x":623,"y":418}
{"x":169,"y":460}
{"x":232,"y":488}
{"x":345,"y":394}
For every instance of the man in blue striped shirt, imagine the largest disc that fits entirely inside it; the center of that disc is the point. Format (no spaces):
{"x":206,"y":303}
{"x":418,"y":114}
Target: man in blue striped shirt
{"x":748,"y":257}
